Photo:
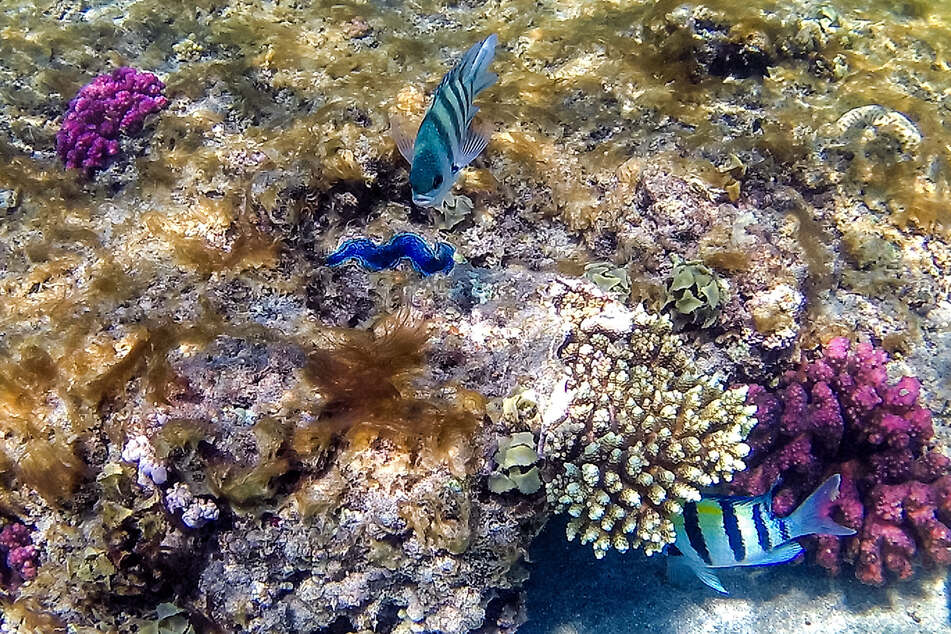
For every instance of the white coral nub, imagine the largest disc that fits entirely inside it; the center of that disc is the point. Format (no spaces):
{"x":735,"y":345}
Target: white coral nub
{"x":140,"y":451}
{"x":199,"y":513}
{"x":196,"y":512}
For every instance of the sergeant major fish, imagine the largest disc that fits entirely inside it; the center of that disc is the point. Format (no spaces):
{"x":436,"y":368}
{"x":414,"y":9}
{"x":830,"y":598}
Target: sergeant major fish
{"x":723,"y":531}
{"x":446,"y":141}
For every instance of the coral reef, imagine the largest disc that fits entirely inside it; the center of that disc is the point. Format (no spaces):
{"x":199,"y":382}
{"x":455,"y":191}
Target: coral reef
{"x":643,"y":431}
{"x":110,"y":105}
{"x":841,"y":414}
{"x":179,"y":302}
{"x":368,"y":493}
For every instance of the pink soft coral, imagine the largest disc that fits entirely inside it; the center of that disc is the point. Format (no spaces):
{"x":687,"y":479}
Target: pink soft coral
{"x":21,"y":555}
{"x":111,"y":104}
{"x":840,"y":414}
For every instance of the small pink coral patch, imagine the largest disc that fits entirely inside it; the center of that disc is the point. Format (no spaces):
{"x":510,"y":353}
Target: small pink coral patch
{"x":111,"y":104}
{"x":21,"y":555}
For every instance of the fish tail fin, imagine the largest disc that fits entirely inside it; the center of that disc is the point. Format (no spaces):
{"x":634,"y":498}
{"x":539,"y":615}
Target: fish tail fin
{"x":812,"y":516}
{"x":474,"y":66}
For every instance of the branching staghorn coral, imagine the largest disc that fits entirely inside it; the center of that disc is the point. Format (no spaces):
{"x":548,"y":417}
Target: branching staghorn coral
{"x":643,"y":430}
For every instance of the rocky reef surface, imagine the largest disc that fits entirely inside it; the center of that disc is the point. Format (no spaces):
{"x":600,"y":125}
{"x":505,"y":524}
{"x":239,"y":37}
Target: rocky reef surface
{"x":203,"y":428}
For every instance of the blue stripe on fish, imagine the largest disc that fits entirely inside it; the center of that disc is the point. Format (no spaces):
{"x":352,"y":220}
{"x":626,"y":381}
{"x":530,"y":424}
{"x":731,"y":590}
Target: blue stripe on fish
{"x":784,"y":530}
{"x":455,"y":115}
{"x":732,"y":528}
{"x":443,"y":128}
{"x":410,"y":247}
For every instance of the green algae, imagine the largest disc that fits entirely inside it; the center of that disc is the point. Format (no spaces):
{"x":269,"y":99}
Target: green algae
{"x":609,"y":278}
{"x":695,"y":294}
{"x":516,"y":465}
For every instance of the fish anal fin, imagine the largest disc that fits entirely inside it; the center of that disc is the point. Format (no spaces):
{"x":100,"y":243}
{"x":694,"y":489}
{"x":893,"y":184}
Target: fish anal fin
{"x":709,"y":578}
{"x":680,"y":570}
{"x":405,"y":143}
{"x":780,"y":554}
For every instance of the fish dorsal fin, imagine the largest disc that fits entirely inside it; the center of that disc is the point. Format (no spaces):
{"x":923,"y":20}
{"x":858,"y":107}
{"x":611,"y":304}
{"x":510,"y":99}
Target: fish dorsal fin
{"x":473,"y":67}
{"x":768,"y":496}
{"x":404,"y":142}
{"x":476,"y":141}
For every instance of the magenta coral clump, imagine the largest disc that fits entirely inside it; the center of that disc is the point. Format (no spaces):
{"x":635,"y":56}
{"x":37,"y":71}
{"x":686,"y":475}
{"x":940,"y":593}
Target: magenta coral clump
{"x":21,"y":555}
{"x":114,"y":103}
{"x":840,"y":414}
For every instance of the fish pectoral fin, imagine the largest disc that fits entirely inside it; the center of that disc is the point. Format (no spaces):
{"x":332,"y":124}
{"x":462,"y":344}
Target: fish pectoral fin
{"x":710,"y":578}
{"x":680,"y":569}
{"x":404,"y":142}
{"x":781,"y":554}
{"x":475,"y":142}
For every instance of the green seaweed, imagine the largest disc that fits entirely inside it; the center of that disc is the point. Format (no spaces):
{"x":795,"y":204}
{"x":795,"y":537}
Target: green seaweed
{"x":609,"y":278}
{"x":695,"y":293}
{"x":516,"y":468}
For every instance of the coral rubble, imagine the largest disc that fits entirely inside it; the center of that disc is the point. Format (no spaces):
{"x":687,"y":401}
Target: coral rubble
{"x":841,"y":414}
{"x":644,"y":431}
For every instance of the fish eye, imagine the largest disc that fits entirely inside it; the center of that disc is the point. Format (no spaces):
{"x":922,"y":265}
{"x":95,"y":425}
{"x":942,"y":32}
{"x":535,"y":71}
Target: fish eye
{"x":437,"y":181}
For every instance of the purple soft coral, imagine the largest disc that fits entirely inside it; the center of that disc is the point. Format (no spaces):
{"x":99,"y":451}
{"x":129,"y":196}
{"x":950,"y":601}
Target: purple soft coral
{"x":114,"y":103}
{"x":840,"y":414}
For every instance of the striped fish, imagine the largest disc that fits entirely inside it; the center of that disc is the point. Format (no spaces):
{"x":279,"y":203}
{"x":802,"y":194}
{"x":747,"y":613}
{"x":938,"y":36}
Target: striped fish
{"x":723,"y":532}
{"x":446,"y":141}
